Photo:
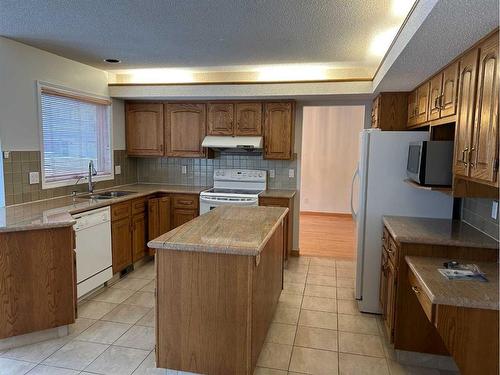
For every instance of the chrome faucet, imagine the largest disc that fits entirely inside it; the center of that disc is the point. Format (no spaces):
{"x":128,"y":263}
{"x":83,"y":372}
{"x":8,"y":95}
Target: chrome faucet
{"x":92,"y":172}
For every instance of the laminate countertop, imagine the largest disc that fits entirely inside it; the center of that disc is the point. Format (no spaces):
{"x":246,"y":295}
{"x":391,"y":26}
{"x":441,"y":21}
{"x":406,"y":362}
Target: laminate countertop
{"x":437,"y":232}
{"x":463,"y":293}
{"x":56,"y":212}
{"x":277,"y":193}
{"x":226,"y":229}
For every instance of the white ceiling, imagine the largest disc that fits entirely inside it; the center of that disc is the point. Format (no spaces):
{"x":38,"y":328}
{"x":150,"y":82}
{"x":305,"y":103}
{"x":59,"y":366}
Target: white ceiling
{"x":203,"y":33}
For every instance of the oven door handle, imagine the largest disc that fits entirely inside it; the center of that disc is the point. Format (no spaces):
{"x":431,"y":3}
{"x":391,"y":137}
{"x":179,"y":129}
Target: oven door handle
{"x":211,"y":200}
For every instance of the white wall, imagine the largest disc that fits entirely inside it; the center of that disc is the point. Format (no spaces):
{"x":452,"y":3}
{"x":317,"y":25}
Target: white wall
{"x":329,"y":154}
{"x":20,"y":67}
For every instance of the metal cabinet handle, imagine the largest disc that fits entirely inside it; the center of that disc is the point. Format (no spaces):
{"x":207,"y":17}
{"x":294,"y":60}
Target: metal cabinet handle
{"x":441,"y":100}
{"x":464,"y":156}
{"x":415,"y":289}
{"x":470,"y":156}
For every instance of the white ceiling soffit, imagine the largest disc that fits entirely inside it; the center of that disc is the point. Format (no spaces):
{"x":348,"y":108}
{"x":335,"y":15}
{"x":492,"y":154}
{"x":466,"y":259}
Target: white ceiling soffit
{"x":208,"y":33}
{"x":450,"y":28}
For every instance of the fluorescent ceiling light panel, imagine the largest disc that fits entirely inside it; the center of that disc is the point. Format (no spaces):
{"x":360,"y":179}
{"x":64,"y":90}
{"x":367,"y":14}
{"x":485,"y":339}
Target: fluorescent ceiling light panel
{"x":292,"y":72}
{"x":401,"y":8}
{"x":382,"y":41}
{"x":160,"y":75}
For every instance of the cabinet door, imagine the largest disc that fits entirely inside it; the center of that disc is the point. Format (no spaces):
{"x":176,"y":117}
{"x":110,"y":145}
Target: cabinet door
{"x":448,"y":99}
{"x":220,"y":118}
{"x":391,"y":301}
{"x":153,"y":218}
{"x":144,"y":129}
{"x":383,"y":284}
{"x":181,"y":216}
{"x":278,"y":131}
{"x":139,"y":230}
{"x":164,"y":215}
{"x":121,"y":237}
{"x":375,"y":123}
{"x":185,"y":130}
{"x":422,"y":103}
{"x":412,"y":107}
{"x":484,"y":151}
{"x":465,"y":112}
{"x":435,"y":97}
{"x":248,"y":119}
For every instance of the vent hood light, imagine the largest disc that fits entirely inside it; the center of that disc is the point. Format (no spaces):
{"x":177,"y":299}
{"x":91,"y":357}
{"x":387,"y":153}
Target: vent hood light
{"x":227,"y":142}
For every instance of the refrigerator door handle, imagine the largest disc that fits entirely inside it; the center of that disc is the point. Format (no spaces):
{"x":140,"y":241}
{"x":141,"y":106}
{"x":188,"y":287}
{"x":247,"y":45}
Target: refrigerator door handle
{"x":356,"y":174}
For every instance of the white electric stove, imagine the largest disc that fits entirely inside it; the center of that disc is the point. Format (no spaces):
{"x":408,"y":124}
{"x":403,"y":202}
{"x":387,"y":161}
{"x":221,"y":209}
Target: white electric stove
{"x":238,"y":187}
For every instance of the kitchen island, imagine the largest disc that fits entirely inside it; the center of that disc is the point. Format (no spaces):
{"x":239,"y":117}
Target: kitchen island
{"x":219,"y":278}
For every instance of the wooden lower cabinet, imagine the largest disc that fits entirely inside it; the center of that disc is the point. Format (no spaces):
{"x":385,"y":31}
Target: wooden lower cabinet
{"x":288,"y":222}
{"x":213,"y":311}
{"x":139,"y":236}
{"x":37,"y":280}
{"x":407,"y":323}
{"x":181,"y":216}
{"x":121,"y":239}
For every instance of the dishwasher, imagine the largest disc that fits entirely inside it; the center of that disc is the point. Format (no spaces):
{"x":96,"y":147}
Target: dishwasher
{"x":93,"y":249}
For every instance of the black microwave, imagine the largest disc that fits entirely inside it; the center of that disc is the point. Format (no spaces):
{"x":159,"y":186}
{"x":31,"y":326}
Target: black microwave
{"x":430,"y":162}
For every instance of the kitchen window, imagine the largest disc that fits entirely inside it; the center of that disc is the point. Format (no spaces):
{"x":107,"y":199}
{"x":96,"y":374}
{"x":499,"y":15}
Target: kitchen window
{"x":75,"y":128}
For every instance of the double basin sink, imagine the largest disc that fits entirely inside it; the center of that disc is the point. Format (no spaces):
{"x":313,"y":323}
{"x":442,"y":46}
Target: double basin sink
{"x":107,"y":194}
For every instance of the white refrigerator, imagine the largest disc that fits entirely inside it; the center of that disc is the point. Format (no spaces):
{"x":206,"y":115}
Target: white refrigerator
{"x":382,"y":191}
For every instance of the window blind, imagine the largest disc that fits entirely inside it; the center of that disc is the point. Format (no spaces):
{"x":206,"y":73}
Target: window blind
{"x":75,"y":130}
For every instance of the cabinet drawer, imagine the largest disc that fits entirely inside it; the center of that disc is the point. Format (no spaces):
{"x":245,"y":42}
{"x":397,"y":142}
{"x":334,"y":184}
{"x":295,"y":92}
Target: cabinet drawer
{"x":139,"y":206}
{"x":424,"y":300}
{"x":120,"y":210}
{"x":274,"y":202}
{"x":185,"y":201}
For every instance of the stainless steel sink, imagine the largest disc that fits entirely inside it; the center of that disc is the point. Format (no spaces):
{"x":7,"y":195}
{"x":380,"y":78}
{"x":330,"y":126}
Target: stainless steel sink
{"x":108,"y":194}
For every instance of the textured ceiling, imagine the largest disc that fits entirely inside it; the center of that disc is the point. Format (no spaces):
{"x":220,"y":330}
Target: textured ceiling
{"x":451,"y":28}
{"x":201,"y":33}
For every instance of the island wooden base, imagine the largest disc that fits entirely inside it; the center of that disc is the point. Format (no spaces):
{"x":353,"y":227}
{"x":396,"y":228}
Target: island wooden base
{"x":213,"y":311}
{"x":37,"y":280}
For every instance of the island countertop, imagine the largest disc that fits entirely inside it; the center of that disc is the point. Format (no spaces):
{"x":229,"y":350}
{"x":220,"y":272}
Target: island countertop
{"x":226,"y":229}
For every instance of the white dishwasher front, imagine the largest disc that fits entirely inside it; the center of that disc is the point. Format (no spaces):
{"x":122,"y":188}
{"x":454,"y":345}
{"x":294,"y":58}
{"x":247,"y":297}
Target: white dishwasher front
{"x":93,"y":249}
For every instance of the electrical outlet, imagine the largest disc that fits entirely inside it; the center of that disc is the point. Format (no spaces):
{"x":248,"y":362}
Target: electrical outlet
{"x":34,"y":178}
{"x":6,"y":154}
{"x":184,"y":169}
{"x":272,"y":173}
{"x":291,"y":173}
{"x":118,"y":169}
{"x":494,"y":210}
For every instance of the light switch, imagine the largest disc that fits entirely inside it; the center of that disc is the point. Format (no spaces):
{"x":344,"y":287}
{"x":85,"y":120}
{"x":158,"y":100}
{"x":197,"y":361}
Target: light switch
{"x":118,"y":169}
{"x":6,"y":154}
{"x":494,"y":210}
{"x":272,"y":173}
{"x":291,"y":173}
{"x":184,"y":169}
{"x":34,"y":178}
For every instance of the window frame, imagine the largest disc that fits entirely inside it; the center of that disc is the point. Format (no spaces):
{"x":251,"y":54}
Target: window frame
{"x":77,"y":93}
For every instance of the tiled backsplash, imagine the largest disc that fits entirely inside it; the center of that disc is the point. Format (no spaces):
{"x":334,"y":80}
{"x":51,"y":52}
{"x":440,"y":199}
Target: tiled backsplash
{"x":477,"y":212}
{"x":200,"y":171}
{"x":20,"y":163}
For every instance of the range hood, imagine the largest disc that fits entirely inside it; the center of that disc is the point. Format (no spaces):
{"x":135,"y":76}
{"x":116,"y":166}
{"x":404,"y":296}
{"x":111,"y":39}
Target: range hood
{"x":229,"y":142}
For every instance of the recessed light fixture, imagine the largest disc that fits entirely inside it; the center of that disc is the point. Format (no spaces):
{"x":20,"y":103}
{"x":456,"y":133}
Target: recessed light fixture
{"x":112,"y":61}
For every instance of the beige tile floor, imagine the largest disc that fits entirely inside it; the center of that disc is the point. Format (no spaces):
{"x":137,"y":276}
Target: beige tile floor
{"x":317,"y":329}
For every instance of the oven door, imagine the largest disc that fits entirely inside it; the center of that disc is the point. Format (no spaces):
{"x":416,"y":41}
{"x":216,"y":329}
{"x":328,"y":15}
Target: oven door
{"x":209,"y":203}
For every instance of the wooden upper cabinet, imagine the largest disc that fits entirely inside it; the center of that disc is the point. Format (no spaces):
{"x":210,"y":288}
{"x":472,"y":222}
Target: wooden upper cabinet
{"x":422,"y":114}
{"x":389,"y":111}
{"x":484,"y":152}
{"x":448,"y":100}
{"x":248,"y":119}
{"x":465,"y":112}
{"x":144,"y":129}
{"x":185,"y":129}
{"x":412,"y":108}
{"x":435,"y":96}
{"x":220,"y":119}
{"x":278,"y":130}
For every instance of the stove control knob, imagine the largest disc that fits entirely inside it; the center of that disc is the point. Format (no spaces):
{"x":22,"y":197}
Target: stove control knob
{"x":260,"y":174}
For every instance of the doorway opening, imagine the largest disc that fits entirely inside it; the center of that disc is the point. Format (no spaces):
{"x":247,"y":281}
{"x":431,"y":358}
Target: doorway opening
{"x":330,"y":137}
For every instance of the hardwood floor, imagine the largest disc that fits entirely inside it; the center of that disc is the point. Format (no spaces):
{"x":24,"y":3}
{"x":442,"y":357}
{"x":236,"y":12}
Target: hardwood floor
{"x":331,"y":235}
